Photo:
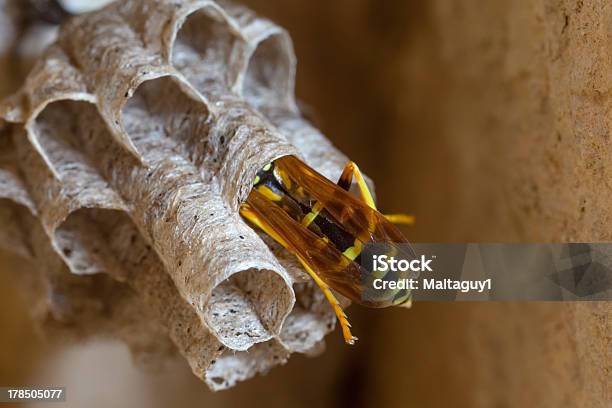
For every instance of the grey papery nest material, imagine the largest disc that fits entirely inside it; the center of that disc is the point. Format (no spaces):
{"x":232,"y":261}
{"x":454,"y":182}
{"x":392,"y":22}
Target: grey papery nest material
{"x":124,"y":159}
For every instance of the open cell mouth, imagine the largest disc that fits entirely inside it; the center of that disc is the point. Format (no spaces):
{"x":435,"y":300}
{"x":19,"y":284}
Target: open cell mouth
{"x":204,"y":50}
{"x":269,"y":76}
{"x":242,"y":310}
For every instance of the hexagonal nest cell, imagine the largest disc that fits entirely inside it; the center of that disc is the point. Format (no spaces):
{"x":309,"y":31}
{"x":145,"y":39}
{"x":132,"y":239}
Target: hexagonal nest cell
{"x":124,"y":159}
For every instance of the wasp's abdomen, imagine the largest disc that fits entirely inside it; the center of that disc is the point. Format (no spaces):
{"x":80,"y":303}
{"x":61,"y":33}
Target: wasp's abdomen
{"x":272,"y":183}
{"x":353,"y":274}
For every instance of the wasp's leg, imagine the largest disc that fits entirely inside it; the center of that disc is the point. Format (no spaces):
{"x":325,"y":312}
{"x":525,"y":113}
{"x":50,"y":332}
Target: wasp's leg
{"x":250,"y":215}
{"x":346,"y":179}
{"x":403,"y":219}
{"x":342,"y":319}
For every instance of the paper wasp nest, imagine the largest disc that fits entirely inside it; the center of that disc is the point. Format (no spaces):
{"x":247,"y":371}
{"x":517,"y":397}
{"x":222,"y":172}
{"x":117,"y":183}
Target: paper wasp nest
{"x":123,"y":161}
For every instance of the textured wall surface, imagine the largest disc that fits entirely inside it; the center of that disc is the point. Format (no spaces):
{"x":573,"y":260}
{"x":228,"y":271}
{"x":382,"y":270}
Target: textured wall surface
{"x":492,"y":124}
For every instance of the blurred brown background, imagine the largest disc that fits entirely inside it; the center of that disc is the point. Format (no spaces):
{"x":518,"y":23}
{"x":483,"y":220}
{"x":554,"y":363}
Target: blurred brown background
{"x":490,"y":122}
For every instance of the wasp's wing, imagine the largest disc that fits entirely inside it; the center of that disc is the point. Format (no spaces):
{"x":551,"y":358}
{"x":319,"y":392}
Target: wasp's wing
{"x":323,"y":259}
{"x":355,"y":216}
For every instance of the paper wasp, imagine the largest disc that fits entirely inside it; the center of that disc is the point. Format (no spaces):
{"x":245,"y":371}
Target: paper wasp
{"x":326,"y":227}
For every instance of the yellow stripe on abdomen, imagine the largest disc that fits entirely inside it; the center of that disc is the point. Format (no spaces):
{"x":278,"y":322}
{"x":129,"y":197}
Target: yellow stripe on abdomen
{"x":353,"y":252}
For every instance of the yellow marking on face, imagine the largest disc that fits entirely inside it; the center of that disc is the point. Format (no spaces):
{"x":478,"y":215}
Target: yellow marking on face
{"x":403,"y":300}
{"x":354,"y":251}
{"x":407,"y":303}
{"x":267,"y":167}
{"x":257,"y":180}
{"x":269,"y":194}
